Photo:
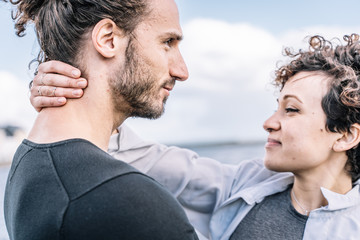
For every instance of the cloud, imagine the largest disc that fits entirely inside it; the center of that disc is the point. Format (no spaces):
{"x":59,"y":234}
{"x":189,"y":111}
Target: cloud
{"x":14,"y":102}
{"x":298,"y":37}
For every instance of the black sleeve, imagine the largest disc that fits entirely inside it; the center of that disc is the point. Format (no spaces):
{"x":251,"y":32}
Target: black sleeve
{"x":131,"y":206}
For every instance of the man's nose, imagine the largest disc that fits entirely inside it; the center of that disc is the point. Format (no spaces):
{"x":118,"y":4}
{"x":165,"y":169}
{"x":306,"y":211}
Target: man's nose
{"x":178,"y":68}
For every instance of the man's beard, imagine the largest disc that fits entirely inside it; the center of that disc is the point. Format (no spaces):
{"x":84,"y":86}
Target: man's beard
{"x":135,"y":89}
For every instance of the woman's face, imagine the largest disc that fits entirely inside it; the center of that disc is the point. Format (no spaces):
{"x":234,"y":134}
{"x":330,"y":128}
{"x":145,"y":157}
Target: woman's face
{"x":298,"y":139}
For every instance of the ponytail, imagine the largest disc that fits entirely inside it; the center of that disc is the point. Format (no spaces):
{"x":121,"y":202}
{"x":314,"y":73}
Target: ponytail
{"x":61,"y":24}
{"x":27,"y":10}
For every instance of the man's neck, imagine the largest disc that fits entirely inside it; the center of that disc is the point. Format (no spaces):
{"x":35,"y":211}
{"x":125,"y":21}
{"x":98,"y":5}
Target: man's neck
{"x":91,"y":118}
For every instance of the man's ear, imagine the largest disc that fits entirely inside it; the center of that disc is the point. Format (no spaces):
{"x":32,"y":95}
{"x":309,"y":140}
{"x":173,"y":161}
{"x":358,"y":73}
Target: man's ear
{"x":348,"y":140}
{"x":107,"y":38}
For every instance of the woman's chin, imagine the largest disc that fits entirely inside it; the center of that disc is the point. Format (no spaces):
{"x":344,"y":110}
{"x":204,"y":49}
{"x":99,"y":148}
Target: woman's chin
{"x":274,"y":166}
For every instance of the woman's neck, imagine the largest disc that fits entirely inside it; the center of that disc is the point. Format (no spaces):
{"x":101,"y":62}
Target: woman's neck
{"x":306,"y":194}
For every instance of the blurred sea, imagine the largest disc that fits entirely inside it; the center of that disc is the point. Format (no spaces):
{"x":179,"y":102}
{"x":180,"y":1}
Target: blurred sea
{"x":231,"y":153}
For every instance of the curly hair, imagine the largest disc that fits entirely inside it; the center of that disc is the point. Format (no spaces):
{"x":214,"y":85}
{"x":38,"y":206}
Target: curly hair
{"x":61,"y":24}
{"x":341,"y":104}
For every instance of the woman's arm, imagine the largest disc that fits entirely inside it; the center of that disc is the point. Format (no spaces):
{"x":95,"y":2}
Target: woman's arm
{"x":55,"y":82}
{"x":198,"y":182}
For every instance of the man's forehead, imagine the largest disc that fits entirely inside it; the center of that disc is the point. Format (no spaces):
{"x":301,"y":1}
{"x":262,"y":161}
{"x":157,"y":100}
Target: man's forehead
{"x":158,"y":5}
{"x":164,"y":11}
{"x":164,"y":17}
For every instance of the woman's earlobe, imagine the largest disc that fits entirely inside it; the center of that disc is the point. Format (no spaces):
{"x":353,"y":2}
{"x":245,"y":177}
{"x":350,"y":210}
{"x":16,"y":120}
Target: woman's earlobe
{"x":348,"y":140}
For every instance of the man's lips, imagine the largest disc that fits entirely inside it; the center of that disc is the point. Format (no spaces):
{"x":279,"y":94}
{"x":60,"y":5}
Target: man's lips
{"x":168,"y":88}
{"x":272,"y":143}
{"x":169,"y":85}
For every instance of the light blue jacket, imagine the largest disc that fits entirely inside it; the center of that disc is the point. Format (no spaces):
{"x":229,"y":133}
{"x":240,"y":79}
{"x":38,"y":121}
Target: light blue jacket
{"x":216,"y":196}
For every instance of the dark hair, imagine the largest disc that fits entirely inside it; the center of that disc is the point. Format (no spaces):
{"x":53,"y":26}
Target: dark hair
{"x":61,"y":24}
{"x":341,"y":104}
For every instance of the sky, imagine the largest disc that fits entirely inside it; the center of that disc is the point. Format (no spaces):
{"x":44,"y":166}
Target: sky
{"x":231,"y":48}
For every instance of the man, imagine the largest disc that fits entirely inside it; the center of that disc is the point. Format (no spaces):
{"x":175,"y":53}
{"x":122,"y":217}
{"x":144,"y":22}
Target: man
{"x":62,"y":185}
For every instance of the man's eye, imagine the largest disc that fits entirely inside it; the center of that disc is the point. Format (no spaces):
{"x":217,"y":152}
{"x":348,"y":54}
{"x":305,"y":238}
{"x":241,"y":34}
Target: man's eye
{"x":169,"y":41}
{"x":288,"y":110}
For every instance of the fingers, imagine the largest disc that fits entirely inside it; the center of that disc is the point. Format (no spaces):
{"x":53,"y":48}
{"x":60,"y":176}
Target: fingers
{"x":42,"y":101}
{"x":48,"y":91}
{"x":52,"y":79}
{"x":60,"y":68}
{"x":54,"y":82}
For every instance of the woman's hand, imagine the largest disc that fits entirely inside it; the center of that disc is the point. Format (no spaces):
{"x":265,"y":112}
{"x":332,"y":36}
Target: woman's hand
{"x":54,"y":83}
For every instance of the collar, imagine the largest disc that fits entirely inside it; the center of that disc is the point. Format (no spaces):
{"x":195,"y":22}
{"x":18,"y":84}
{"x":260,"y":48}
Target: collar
{"x":125,"y":140}
{"x":256,"y":193}
{"x":114,"y":143}
{"x":339,"y":201}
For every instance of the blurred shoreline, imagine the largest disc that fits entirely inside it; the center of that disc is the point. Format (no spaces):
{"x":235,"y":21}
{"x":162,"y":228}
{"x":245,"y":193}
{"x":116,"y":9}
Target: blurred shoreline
{"x":4,"y":170}
{"x":10,"y":138}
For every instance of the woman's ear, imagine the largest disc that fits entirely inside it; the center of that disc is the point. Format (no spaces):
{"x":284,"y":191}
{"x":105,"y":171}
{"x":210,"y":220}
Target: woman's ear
{"x":107,"y":38}
{"x":348,"y":140}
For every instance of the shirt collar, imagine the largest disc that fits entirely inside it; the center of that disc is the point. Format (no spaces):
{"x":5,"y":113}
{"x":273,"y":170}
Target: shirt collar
{"x":114,"y":143}
{"x":274,"y":184}
{"x":338,"y":201}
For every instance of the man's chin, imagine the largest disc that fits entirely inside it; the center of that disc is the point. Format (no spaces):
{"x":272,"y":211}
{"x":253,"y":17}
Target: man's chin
{"x":148,"y":113}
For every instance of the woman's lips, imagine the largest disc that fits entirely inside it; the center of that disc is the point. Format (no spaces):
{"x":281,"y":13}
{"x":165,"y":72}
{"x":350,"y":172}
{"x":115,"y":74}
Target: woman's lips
{"x":272,"y":143}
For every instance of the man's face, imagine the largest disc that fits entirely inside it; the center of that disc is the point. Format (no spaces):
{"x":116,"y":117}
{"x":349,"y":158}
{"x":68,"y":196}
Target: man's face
{"x":153,"y":63}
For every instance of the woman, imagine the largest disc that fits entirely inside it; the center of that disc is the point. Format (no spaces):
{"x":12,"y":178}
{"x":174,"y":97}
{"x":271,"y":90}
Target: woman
{"x":314,"y":134}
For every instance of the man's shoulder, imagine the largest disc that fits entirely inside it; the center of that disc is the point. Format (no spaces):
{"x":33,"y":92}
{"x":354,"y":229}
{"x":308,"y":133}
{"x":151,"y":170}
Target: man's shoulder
{"x":132,"y":206}
{"x":82,"y":166}
{"x":121,"y":201}
{"x":77,"y":164}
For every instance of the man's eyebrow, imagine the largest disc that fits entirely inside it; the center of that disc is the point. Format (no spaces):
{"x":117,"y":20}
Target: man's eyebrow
{"x":175,"y":35}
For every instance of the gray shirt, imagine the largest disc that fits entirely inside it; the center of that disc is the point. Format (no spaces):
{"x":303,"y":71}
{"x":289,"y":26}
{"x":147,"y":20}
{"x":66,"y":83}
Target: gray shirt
{"x":273,"y":218}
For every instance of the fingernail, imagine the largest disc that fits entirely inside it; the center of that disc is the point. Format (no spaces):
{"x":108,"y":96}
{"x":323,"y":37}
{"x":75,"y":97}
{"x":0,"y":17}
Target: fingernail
{"x":61,"y":100}
{"x":75,"y":73}
{"x":81,"y":84}
{"x":77,"y":93}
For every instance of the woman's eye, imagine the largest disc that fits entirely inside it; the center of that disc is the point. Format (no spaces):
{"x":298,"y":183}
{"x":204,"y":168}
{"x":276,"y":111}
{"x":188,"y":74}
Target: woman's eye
{"x":290,"y":110}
